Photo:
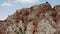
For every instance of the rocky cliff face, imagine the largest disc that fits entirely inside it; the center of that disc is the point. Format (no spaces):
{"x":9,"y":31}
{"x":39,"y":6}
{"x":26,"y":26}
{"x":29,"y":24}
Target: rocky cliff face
{"x":39,"y":19}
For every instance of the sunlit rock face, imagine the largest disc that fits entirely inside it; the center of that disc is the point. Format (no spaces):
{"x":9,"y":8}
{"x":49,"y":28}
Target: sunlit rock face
{"x":44,"y":27}
{"x":39,"y":19}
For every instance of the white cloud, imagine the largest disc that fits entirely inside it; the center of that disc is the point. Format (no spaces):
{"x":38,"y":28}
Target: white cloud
{"x":6,"y":4}
{"x":26,"y":1}
{"x":1,"y":19}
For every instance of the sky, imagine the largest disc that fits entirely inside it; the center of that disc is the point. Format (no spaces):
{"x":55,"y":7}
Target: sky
{"x":8,"y":7}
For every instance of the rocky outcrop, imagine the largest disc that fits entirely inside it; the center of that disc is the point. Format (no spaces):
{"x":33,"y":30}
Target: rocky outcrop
{"x":39,"y":19}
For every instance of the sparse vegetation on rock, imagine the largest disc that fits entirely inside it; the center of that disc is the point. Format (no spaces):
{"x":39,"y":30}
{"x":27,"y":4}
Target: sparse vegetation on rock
{"x":39,"y":19}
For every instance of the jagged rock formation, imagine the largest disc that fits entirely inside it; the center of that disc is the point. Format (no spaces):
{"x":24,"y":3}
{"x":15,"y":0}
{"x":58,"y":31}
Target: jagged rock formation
{"x":39,"y":19}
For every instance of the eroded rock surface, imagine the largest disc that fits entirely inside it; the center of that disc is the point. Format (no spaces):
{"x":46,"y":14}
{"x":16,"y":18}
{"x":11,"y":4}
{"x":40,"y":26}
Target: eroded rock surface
{"x":39,"y":19}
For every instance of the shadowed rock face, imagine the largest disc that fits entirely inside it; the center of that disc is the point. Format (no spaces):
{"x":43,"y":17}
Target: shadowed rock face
{"x":39,"y":19}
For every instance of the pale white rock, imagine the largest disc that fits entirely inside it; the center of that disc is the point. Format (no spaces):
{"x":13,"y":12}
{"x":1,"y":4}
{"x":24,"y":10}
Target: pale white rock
{"x":44,"y":27}
{"x":30,"y":28}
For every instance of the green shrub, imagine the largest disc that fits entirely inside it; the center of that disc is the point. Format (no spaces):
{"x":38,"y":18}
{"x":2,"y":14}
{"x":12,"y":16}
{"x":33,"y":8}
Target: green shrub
{"x":55,"y":32}
{"x":17,"y":32}
{"x":20,"y":29}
